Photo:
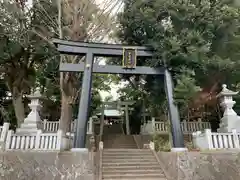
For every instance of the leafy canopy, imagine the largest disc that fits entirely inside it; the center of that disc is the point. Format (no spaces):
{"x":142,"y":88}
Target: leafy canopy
{"x":197,"y":39}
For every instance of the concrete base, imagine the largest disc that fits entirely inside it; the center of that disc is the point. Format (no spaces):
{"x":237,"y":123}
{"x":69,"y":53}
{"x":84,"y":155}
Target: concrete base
{"x":79,"y":150}
{"x":46,"y":165}
{"x":179,"y":150}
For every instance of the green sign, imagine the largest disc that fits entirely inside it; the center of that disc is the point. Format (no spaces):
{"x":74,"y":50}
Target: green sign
{"x":129,"y":58}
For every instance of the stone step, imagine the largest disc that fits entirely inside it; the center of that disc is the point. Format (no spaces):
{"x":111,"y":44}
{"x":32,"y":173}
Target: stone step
{"x":119,"y":140}
{"x":137,"y":161}
{"x":115,"y":153}
{"x":133,"y":171}
{"x":132,"y":163}
{"x":129,"y":158}
{"x":126,"y":150}
{"x":119,"y":143}
{"x":119,"y":137}
{"x":123,"y":144}
{"x":112,"y":155}
{"x":131,"y":166}
{"x":133,"y":176}
{"x":124,"y":147}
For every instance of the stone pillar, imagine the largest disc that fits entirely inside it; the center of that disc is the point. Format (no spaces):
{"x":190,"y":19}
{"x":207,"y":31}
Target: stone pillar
{"x":230,"y":119}
{"x":127,"y":120}
{"x":153,"y":125}
{"x":184,"y":126}
{"x":200,"y":124}
{"x":102,"y":120}
{"x":32,"y":123}
{"x":90,"y":126}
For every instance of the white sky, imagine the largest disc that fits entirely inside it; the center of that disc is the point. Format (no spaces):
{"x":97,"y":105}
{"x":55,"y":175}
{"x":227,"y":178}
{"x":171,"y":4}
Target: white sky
{"x":113,"y":92}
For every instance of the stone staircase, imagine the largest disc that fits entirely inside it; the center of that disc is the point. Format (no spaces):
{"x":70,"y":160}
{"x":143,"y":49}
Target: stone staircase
{"x":130,"y":164}
{"x":113,"y":137}
{"x":119,"y":141}
{"x":113,"y":129}
{"x":122,"y":160}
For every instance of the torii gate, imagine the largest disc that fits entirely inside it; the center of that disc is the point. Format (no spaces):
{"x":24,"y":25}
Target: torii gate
{"x":119,"y":104}
{"x":129,"y":54}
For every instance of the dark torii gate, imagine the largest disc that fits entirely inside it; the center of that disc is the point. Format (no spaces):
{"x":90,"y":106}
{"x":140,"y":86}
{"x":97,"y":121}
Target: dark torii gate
{"x":129,"y":54}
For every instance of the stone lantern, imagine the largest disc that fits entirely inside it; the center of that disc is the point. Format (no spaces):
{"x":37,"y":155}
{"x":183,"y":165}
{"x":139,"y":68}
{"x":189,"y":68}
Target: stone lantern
{"x":32,"y":122}
{"x":230,"y":119}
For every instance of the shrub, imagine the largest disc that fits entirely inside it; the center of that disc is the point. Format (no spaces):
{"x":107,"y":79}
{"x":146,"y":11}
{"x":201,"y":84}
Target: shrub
{"x":161,"y":142}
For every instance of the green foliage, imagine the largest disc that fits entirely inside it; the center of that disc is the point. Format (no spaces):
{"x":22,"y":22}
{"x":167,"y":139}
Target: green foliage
{"x":27,"y":57}
{"x":185,"y":89}
{"x":22,"y":50}
{"x":161,"y":142}
{"x":129,"y":93}
{"x":198,"y":40}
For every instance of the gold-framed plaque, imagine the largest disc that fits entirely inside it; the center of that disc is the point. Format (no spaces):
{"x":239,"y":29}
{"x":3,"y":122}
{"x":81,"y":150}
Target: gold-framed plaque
{"x":129,"y":60}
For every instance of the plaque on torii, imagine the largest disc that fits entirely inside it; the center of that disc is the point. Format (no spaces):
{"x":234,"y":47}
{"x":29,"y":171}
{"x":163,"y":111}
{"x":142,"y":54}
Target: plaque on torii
{"x":129,"y":59}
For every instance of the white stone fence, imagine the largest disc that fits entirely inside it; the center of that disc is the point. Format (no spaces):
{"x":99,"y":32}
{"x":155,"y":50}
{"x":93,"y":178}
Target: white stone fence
{"x":29,"y":141}
{"x":49,"y":138}
{"x":4,"y":129}
{"x":3,"y":134}
{"x":35,"y":141}
{"x":163,"y":127}
{"x":53,"y":126}
{"x":214,"y":140}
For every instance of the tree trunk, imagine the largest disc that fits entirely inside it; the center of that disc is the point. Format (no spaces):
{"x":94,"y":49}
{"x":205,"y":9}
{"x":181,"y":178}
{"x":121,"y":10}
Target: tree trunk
{"x":66,"y":114}
{"x":19,"y":109}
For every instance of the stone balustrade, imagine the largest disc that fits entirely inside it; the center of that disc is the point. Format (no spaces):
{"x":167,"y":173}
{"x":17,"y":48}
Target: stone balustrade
{"x":228,"y":133}
{"x":160,"y":127}
{"x":34,"y":141}
{"x":214,"y":140}
{"x":53,"y":126}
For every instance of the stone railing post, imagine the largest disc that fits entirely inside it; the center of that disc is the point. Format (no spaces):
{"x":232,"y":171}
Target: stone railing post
{"x":100,"y":147}
{"x":4,"y":132}
{"x":208,"y":135}
{"x":153,"y":125}
{"x":152,"y":145}
{"x":200,"y":124}
{"x":59,"y":140}
{"x":38,"y":139}
{"x":90,"y":126}
{"x":201,"y":140}
{"x":195,"y":135}
{"x":9,"y":139}
{"x":45,"y":125}
{"x":185,"y":128}
{"x":3,"y":136}
{"x":235,"y":139}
